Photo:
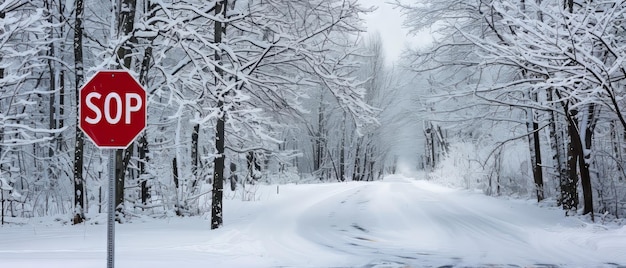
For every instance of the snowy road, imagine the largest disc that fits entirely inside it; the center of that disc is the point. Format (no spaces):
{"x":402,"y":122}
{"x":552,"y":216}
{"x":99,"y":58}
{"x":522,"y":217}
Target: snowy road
{"x":397,"y":222}
{"x":406,"y":222}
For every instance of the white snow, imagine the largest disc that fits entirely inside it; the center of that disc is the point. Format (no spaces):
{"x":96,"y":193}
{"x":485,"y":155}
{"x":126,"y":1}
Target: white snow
{"x":398,"y":222}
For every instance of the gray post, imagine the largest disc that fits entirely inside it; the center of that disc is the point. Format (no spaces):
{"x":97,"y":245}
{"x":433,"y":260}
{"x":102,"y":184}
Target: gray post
{"x":111,"y":212}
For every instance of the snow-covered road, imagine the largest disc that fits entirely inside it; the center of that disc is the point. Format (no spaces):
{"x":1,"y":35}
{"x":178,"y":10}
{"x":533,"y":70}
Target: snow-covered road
{"x":398,"y":222}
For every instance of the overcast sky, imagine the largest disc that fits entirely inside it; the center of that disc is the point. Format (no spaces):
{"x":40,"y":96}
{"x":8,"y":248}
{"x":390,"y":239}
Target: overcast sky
{"x":387,"y":20}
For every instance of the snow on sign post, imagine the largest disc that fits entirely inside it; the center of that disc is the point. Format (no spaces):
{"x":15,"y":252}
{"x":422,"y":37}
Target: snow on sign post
{"x":112,"y":113}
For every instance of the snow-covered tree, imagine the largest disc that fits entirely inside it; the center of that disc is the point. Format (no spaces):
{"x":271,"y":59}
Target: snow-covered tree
{"x":24,"y":120}
{"x":560,"y":66}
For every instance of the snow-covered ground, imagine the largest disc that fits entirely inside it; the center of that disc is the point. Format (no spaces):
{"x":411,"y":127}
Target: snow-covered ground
{"x":398,"y":222}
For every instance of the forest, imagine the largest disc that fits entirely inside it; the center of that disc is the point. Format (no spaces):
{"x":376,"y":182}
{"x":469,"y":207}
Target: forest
{"x":513,"y":98}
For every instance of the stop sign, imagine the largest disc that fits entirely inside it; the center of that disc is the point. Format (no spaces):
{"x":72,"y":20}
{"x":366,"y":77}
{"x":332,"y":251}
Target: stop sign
{"x":112,"y":109}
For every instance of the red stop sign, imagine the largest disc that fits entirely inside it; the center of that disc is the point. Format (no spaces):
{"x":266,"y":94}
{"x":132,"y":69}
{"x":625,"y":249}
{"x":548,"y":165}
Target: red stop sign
{"x":112,"y":109}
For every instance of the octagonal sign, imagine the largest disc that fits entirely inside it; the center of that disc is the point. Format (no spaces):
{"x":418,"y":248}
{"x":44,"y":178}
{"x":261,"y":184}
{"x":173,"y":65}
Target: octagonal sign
{"x":112,"y":109}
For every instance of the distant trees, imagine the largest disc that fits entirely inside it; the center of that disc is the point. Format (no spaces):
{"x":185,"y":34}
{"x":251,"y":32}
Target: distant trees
{"x":27,"y":125}
{"x":562,"y":67}
{"x":337,"y":147}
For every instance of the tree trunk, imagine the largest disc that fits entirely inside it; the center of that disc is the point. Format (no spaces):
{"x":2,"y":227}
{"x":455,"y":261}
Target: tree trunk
{"x":2,"y":15}
{"x":143,"y":149}
{"x":218,"y":172}
{"x":79,"y":191}
{"x":195,"y":133}
{"x":61,"y":81}
{"x":583,"y":153}
{"x":177,"y":185}
{"x":61,"y":145}
{"x":365,"y":173}
{"x":570,"y":196}
{"x":356,"y":173}
{"x":535,"y":149}
{"x":585,"y":161}
{"x":1,"y":192}
{"x":218,"y":162}
{"x":556,"y":141}
{"x":430,"y":146}
{"x":342,"y":151}
{"x":537,"y":170}
{"x":371,"y":167}
{"x":52,"y":124}
{"x":125,"y":26}
{"x":617,"y":150}
{"x":122,"y":156}
{"x":143,"y":159}
{"x":368,"y":161}
{"x":319,"y":139}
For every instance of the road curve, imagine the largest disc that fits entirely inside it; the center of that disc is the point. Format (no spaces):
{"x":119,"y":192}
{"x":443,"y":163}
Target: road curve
{"x":401,"y":222}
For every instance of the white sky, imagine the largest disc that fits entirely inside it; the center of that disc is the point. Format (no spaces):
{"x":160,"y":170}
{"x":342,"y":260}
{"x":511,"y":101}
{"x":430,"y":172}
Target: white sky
{"x":387,"y":21}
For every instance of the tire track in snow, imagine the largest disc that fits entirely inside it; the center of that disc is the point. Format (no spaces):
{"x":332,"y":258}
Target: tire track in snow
{"x":398,"y":222}
{"x":372,"y":224}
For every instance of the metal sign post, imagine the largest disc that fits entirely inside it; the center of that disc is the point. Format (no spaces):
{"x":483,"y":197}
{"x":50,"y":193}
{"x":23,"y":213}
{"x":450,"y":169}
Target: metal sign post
{"x":111,"y":212}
